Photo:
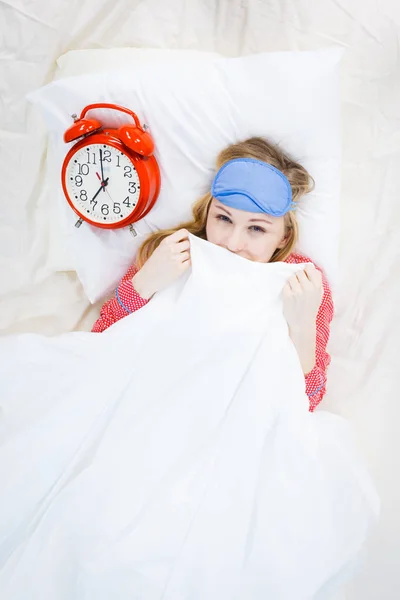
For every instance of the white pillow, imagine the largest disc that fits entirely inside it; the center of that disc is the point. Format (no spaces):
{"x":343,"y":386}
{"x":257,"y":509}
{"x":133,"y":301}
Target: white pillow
{"x":77,"y":62}
{"x":194,"y":109}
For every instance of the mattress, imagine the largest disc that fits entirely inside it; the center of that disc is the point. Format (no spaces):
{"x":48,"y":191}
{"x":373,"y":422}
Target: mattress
{"x":363,"y":377}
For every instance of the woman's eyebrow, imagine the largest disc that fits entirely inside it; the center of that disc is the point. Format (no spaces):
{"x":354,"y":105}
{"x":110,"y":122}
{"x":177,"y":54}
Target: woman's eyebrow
{"x":222,"y":208}
{"x":262,"y":221}
{"x":219,"y":207}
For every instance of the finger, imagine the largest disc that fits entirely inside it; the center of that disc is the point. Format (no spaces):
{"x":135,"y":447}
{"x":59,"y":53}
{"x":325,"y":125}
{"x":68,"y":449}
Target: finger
{"x":287,"y":290}
{"x":303,"y":280}
{"x":182,"y":246}
{"x":294,"y":284}
{"x":313,"y":275}
{"x":178,"y":236}
{"x":186,"y":264}
{"x":184,"y":256}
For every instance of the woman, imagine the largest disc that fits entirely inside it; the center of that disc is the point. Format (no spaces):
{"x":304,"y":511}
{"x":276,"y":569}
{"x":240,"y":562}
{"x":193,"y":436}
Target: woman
{"x":255,"y":232}
{"x":174,"y":457}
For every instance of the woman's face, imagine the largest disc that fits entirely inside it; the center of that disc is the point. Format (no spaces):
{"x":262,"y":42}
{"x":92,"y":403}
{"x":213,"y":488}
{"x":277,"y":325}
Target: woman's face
{"x":254,"y":236}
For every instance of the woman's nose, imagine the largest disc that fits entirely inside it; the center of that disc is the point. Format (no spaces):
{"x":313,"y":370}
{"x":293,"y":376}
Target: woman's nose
{"x":235,"y":242}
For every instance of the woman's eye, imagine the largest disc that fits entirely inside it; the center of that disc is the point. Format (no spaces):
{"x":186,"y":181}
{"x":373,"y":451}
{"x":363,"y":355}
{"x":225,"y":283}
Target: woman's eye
{"x":224,"y":218}
{"x":257,"y":229}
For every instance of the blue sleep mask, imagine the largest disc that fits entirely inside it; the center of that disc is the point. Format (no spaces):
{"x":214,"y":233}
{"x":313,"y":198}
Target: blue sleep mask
{"x":253,"y":185}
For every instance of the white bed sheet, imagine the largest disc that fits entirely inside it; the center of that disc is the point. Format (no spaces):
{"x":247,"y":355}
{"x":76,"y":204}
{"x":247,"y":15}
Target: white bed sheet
{"x":363,"y":379}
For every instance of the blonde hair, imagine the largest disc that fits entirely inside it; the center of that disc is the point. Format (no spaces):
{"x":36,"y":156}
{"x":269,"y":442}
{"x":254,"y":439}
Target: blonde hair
{"x":256,"y":147}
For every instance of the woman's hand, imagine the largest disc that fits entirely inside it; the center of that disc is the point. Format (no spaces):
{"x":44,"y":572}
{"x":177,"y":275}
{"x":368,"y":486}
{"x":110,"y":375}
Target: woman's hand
{"x":165,"y":265}
{"x":302,"y":296}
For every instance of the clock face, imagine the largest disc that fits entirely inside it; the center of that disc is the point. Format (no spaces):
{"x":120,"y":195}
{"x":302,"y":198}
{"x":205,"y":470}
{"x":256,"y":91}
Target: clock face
{"x":102,"y":183}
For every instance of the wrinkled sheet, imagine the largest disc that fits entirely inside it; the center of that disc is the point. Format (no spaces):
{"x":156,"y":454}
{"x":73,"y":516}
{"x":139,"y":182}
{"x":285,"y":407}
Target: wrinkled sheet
{"x":363,"y":380}
{"x":179,"y":459}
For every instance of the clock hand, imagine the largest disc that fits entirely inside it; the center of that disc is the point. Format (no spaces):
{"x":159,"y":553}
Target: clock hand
{"x":103,"y":184}
{"x":109,"y":194}
{"x":101,"y":166}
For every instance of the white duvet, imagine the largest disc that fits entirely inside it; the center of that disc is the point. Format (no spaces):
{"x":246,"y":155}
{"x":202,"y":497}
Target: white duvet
{"x":173,"y":457}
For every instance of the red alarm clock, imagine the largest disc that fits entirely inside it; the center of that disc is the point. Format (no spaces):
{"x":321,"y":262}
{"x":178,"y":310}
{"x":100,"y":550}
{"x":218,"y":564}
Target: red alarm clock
{"x":110,"y":177}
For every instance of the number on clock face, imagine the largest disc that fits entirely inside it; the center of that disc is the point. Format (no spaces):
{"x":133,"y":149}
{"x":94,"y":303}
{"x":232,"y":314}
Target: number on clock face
{"x":117,"y":197}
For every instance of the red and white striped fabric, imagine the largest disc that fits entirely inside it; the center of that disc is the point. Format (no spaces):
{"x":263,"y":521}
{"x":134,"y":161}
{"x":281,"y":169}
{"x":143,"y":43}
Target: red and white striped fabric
{"x":126,"y":301}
